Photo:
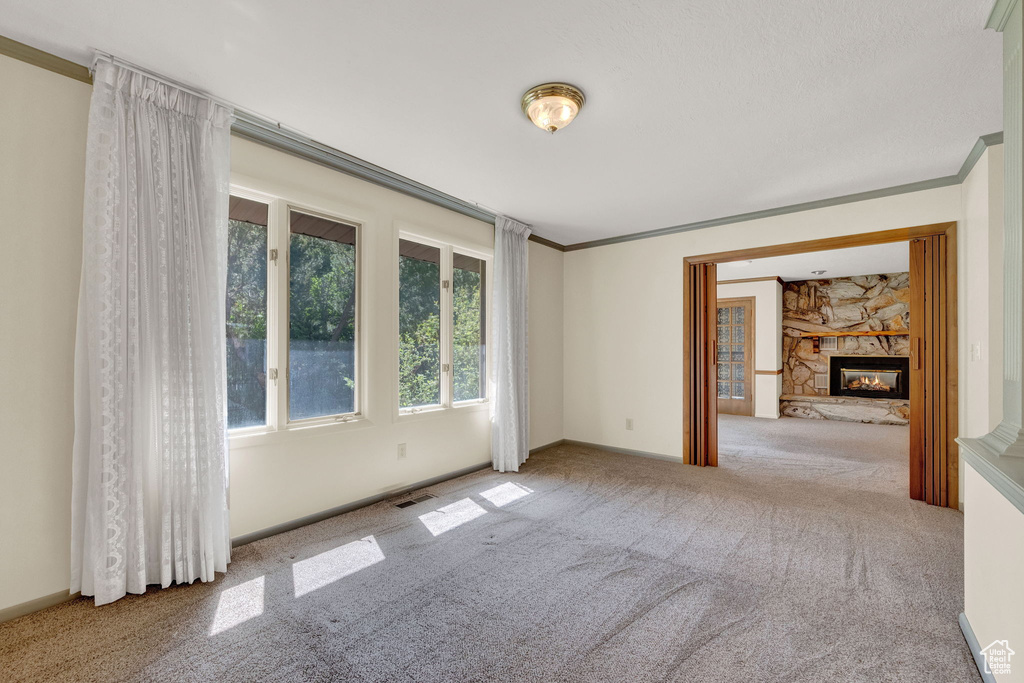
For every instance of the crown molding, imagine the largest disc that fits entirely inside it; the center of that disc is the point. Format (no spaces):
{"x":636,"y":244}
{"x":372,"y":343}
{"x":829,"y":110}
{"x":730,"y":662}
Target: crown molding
{"x":982,"y":143}
{"x":1000,"y":14}
{"x":271,"y":134}
{"x":275,"y":136}
{"x":44,"y":60}
{"x":972,"y":158}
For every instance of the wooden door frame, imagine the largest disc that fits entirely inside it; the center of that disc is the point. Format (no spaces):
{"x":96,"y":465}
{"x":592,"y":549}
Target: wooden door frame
{"x":751,"y":342}
{"x":693,"y":392}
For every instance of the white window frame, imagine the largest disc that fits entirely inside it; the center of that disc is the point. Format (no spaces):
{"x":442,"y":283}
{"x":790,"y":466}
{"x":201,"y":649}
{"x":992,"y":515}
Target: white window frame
{"x":278,"y":320}
{"x":285,"y":292}
{"x":448,"y":250}
{"x":488,"y":260}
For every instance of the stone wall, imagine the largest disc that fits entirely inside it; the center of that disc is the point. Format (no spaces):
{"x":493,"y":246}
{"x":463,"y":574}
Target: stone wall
{"x":883,"y":411}
{"x":861,"y":303}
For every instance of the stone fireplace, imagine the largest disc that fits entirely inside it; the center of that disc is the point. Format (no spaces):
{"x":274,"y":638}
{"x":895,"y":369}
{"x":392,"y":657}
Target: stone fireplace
{"x":845,"y":349}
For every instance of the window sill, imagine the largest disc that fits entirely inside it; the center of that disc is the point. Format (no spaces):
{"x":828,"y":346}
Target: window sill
{"x":438,"y":411}
{"x":315,"y":427}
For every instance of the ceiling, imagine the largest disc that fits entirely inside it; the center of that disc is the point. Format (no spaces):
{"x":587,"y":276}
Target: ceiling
{"x":868,"y":260}
{"x":695,"y":110}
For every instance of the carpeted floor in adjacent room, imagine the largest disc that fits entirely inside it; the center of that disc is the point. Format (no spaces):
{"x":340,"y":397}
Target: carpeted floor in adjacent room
{"x":799,"y":559}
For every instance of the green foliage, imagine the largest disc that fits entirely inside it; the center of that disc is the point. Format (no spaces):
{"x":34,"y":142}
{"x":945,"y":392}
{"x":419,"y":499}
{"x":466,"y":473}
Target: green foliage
{"x":322,"y":309}
{"x":246,"y":324}
{"x":419,"y":362}
{"x":468,"y":330}
{"x":322,"y":290}
{"x":419,"y":330}
{"x":322,"y":317}
{"x":247,"y":281}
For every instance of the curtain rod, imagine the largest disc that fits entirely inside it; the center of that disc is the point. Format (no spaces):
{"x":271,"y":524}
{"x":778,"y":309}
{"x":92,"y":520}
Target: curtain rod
{"x":117,"y":61}
{"x":252,"y":126}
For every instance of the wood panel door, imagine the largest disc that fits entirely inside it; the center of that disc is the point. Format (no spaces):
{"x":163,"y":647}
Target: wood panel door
{"x":933,"y":381}
{"x":734,"y":353}
{"x":700,"y":329}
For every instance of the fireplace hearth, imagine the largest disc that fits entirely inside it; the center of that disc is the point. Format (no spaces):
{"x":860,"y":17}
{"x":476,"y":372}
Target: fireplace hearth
{"x":869,"y":376}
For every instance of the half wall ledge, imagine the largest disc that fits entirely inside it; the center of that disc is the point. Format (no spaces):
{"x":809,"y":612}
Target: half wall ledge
{"x":1004,"y":472}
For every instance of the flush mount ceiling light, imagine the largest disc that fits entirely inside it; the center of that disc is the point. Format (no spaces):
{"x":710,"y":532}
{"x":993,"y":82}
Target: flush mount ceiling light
{"x":818,"y":272}
{"x":553,"y":106}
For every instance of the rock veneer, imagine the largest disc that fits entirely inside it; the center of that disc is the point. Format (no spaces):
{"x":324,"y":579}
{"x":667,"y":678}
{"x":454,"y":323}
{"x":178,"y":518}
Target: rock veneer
{"x":849,"y":304}
{"x":882,"y":411}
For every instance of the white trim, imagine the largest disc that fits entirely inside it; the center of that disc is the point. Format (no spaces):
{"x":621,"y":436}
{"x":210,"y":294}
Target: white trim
{"x":284,"y":255}
{"x":486,"y":301}
{"x":278,"y":328}
{"x":448,"y":246}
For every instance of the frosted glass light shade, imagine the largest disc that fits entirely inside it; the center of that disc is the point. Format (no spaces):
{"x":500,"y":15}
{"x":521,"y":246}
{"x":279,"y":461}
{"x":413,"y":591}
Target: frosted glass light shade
{"x":552,"y":106}
{"x":552,"y":113}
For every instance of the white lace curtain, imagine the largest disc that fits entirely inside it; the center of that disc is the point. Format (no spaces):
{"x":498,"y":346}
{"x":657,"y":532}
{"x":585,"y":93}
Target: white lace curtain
{"x":149,"y":497}
{"x":510,"y":425}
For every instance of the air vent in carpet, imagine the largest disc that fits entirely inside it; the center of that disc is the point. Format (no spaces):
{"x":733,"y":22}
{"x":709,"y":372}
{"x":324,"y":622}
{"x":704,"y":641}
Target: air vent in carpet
{"x":418,"y":499}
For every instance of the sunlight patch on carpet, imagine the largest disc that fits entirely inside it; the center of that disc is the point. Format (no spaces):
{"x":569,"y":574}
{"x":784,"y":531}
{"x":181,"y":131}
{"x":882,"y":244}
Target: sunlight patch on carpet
{"x":504,"y":494}
{"x":329,"y":566}
{"x":237,"y":605}
{"x":450,"y":516}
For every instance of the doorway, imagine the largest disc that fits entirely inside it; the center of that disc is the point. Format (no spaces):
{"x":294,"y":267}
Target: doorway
{"x":933,"y":352}
{"x":734,"y":350}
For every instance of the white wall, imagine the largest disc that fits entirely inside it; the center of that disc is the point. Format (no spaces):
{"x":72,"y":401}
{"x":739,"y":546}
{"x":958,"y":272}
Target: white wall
{"x":993,"y":526}
{"x":275,"y":478}
{"x":623,"y":313}
{"x":981,"y":282}
{"x":993,"y":558}
{"x":545,"y":345}
{"x":42,"y":174}
{"x":767,"y":295}
{"x":279,"y":477}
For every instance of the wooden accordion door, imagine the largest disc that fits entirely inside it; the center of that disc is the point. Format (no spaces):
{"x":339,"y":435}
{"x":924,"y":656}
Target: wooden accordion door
{"x":932,"y":330}
{"x":700,"y":372}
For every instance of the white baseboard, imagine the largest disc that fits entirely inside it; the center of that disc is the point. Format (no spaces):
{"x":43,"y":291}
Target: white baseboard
{"x":972,"y":643}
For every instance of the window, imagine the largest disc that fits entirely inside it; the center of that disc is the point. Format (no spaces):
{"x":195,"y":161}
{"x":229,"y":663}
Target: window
{"x":419,"y":324}
{"x":442,"y":326}
{"x":292,"y":323}
{"x":469,"y":327}
{"x":322,"y":312}
{"x":293,"y":338}
{"x":247,"y":313}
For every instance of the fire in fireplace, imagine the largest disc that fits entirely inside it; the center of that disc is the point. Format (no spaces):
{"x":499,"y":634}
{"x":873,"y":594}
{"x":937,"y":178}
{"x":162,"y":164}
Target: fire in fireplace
{"x":884,"y":381}
{"x":869,"y":376}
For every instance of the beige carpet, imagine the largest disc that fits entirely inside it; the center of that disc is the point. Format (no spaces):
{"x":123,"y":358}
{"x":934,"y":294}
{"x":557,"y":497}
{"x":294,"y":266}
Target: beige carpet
{"x":799,"y":559}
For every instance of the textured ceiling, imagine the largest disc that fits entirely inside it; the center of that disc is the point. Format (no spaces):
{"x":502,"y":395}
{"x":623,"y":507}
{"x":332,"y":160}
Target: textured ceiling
{"x":867,"y":260}
{"x":695,"y":110}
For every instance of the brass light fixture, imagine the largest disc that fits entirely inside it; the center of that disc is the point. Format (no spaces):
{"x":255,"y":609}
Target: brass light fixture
{"x":553,"y":106}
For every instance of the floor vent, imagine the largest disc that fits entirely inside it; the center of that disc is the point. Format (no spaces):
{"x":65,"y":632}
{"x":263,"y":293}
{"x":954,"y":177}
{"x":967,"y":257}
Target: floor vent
{"x":418,"y":499}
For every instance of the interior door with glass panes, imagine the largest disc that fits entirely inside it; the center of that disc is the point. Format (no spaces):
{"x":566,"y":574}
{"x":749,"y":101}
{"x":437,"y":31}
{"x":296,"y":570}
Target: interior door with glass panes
{"x":735,"y":352}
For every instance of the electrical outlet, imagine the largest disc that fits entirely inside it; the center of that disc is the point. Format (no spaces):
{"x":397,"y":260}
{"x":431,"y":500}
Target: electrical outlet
{"x":976,"y":351}
{"x":401,"y":451}
{"x":629,"y":423}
